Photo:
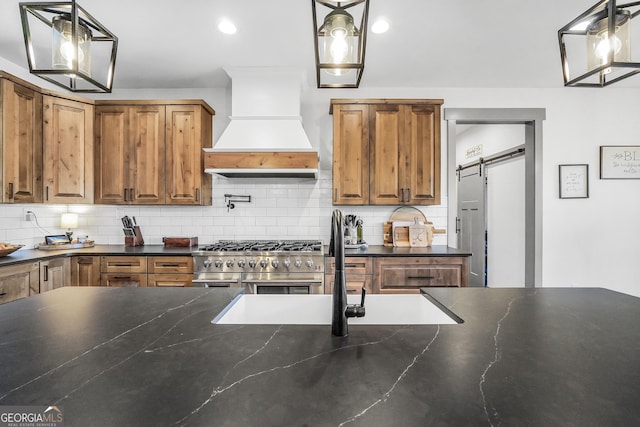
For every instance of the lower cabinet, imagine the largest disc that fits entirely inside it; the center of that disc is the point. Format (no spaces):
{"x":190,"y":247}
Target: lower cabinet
{"x":54,"y":273}
{"x":85,"y":271}
{"x":409,"y":274}
{"x":19,"y":281}
{"x":123,"y":271}
{"x":169,"y":271}
{"x":358,"y":274}
{"x":142,"y":271}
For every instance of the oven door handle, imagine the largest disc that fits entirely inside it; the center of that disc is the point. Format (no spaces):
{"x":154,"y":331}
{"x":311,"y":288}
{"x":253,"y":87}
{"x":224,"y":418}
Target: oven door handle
{"x":215,"y":281}
{"x":278,"y":282}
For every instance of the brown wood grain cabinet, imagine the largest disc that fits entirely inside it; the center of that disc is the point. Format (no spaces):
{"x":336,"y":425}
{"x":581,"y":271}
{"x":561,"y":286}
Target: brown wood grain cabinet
{"x":54,"y":273}
{"x":150,"y":152}
{"x":85,"y":271}
{"x":67,"y":150}
{"x":123,"y":271}
{"x":20,"y":142}
{"x":169,"y":271}
{"x":409,"y":274}
{"x":358,"y":274}
{"x":130,"y":154}
{"x":386,"y":151}
{"x":19,"y":281}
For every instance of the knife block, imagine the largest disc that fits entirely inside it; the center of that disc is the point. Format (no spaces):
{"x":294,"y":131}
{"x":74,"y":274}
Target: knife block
{"x":136,"y":239}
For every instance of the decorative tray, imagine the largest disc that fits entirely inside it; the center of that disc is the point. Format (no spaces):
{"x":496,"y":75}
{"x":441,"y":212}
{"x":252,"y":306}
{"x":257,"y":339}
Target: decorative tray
{"x":7,"y":248}
{"x":45,"y":247}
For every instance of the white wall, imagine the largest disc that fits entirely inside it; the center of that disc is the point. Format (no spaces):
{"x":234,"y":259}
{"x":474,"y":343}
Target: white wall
{"x":586,"y":242}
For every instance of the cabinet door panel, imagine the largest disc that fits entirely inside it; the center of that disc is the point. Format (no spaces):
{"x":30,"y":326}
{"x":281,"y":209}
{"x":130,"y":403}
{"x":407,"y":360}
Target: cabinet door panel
{"x":22,"y":140}
{"x":422,"y":152}
{"x":148,"y":148}
{"x":68,"y":151}
{"x":351,"y":155}
{"x":85,"y":271}
{"x":184,"y":155}
{"x":19,"y":281}
{"x":387,"y":162}
{"x":111,"y":155}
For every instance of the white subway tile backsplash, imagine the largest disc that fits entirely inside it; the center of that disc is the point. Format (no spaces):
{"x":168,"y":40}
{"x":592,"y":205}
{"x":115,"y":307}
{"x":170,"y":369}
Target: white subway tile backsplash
{"x":279,"y":209}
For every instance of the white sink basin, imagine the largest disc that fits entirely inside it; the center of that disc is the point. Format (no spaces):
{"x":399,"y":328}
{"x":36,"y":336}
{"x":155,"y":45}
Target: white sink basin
{"x":316,"y":310}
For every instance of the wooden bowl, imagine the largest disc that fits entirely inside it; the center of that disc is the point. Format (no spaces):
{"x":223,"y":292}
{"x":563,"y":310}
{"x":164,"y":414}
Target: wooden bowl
{"x":7,"y":251}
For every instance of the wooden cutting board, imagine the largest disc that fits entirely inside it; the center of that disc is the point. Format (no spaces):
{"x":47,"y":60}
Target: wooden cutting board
{"x":405,"y":214}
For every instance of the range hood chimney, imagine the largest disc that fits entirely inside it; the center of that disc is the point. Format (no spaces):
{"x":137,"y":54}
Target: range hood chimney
{"x":265,"y":137}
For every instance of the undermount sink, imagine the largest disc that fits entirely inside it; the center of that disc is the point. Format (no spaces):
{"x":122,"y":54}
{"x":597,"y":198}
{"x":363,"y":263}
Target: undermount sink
{"x":316,"y":310}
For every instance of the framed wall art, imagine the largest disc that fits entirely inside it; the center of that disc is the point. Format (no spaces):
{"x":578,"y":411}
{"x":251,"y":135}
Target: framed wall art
{"x":620,"y":162}
{"x":574,"y":181}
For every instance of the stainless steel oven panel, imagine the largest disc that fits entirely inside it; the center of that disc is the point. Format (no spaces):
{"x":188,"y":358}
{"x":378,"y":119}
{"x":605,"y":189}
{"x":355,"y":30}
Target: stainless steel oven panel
{"x":216,"y":280}
{"x":284,"y":283}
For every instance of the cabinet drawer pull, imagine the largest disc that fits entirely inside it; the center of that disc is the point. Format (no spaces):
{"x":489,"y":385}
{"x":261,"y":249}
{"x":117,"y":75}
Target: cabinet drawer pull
{"x":353,"y":265}
{"x":131,"y":194}
{"x":197,"y":194}
{"x":122,"y":278}
{"x":421,"y":277}
{"x":46,"y":192}
{"x":169,"y":265}
{"x":2,"y":294}
{"x":46,"y":273}
{"x":408,"y":194}
{"x":122,"y":265}
{"x":11,"y":190}
{"x":402,"y":199}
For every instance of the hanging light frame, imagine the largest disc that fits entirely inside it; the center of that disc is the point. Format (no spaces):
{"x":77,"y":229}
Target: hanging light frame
{"x":76,"y":76}
{"x":339,"y":74}
{"x":605,"y":11}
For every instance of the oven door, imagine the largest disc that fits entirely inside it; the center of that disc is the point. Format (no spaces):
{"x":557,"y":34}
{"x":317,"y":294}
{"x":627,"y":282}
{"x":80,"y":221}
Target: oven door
{"x":216,"y":280}
{"x":275,"y":283}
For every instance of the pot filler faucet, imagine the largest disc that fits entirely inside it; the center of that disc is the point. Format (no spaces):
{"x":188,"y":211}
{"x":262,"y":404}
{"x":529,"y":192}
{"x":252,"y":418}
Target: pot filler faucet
{"x":341,"y":310}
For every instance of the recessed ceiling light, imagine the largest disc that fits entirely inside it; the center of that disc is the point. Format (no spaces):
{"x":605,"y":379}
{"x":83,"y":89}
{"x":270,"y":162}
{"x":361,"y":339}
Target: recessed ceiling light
{"x":227,"y":27}
{"x":380,"y":26}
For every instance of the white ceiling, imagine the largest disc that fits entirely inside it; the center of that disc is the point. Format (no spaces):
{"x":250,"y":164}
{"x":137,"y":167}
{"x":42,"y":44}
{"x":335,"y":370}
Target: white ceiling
{"x":453,"y":43}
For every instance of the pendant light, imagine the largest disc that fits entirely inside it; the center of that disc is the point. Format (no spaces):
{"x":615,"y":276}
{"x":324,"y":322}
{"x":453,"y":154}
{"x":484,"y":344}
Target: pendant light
{"x":339,"y":43}
{"x":68,"y":47}
{"x":595,"y":47}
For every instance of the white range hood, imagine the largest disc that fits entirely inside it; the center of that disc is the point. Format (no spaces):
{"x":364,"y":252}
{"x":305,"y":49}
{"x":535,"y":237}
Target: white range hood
{"x":265,"y":137}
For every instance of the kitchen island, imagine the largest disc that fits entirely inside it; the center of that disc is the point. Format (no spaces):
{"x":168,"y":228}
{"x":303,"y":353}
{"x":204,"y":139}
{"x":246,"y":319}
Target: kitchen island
{"x":148,"y":356}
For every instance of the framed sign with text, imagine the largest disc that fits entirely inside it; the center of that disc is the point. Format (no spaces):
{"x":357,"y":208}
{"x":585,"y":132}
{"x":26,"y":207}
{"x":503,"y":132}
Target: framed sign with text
{"x":620,"y":162}
{"x":574,"y":181}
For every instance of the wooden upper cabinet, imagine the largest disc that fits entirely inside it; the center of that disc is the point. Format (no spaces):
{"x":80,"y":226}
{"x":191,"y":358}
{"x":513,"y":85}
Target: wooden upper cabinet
{"x":20,"y":143}
{"x":396,"y":144}
{"x":67,"y":151}
{"x":147,"y":155}
{"x":150,"y":152}
{"x":129,"y":158}
{"x":189,"y":130}
{"x":351,"y":154}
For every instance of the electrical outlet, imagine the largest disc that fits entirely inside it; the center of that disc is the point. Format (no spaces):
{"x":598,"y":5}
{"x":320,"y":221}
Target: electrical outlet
{"x":28,"y":215}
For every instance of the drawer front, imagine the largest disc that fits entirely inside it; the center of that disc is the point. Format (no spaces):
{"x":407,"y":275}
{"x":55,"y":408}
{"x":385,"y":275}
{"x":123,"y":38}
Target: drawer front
{"x":124,"y":280}
{"x":169,"y":280}
{"x":170,"y":264}
{"x":408,"y":275}
{"x":123,"y":264}
{"x":355,"y":283}
{"x":352,"y":265}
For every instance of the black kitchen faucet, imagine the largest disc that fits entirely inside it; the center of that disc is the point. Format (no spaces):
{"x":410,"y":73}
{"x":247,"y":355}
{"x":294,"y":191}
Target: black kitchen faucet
{"x":341,"y":310}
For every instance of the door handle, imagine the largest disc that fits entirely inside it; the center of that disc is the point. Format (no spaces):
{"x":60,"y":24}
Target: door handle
{"x":457,"y":225}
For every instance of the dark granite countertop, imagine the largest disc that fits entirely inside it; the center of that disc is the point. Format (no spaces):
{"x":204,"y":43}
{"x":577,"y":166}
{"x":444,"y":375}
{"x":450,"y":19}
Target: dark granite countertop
{"x":136,"y":356}
{"x":29,"y":255}
{"x":390,"y":251}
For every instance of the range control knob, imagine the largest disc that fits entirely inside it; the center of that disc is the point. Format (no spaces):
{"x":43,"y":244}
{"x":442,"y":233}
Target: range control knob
{"x":218,"y":263}
{"x":275,"y":263}
{"x":298,"y":263}
{"x":230,"y":263}
{"x":241,"y":263}
{"x":264,"y":263}
{"x":310,"y":263}
{"x":207,"y":263}
{"x":252,"y":263}
{"x":286,"y":262}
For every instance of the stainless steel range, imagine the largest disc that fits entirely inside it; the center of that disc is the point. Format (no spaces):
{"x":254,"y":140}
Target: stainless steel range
{"x":262,"y":266}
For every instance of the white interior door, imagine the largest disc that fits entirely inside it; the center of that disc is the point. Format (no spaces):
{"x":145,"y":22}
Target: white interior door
{"x":506,"y":223}
{"x":471,"y":221}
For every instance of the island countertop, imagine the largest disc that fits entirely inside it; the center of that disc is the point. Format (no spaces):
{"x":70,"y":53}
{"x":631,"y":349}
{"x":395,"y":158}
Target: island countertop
{"x":149,"y":356}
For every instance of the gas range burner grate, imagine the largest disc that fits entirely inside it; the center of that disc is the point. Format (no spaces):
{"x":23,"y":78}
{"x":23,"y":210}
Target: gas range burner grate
{"x":264,"y":246}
